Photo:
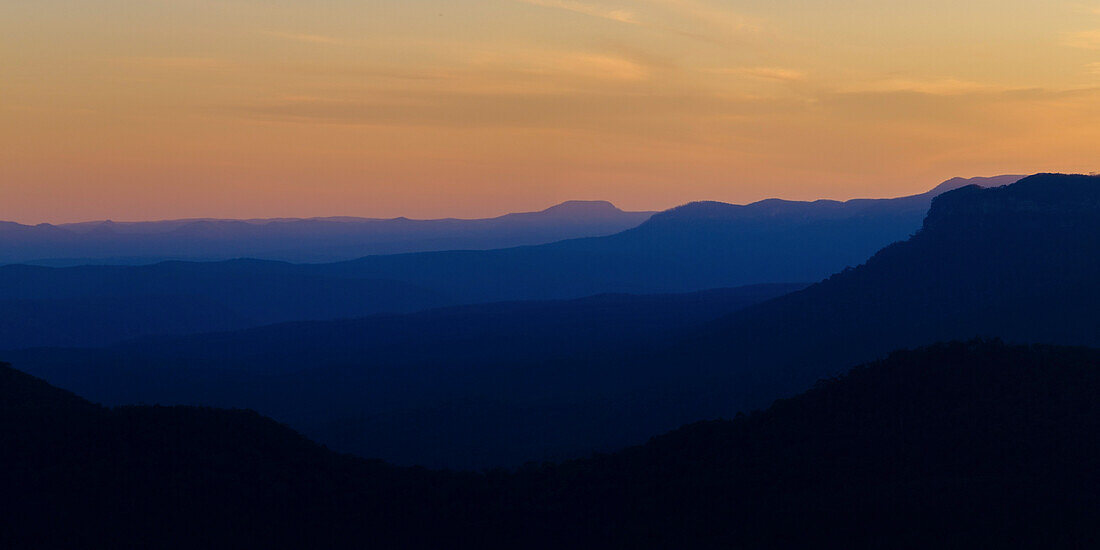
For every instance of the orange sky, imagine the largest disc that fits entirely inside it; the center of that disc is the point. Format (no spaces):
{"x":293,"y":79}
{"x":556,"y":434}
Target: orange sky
{"x":426,"y":108}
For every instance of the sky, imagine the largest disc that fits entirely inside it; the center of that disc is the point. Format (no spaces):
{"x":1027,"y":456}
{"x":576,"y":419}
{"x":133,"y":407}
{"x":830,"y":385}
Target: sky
{"x":153,"y":109}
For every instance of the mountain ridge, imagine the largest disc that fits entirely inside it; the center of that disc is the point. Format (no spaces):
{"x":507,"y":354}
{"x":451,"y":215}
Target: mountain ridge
{"x":970,"y":445}
{"x":346,"y":382}
{"x":665,"y":254}
{"x":770,"y":206}
{"x":1024,"y":272}
{"x":346,"y":238}
{"x":316,"y":239}
{"x":572,"y":206}
{"x":1017,"y":262}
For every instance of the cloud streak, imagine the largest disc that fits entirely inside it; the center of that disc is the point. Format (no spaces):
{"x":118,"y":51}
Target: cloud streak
{"x":302,"y":37}
{"x":593,"y":111}
{"x":177,"y":63}
{"x":561,"y":66}
{"x":764,"y":73}
{"x":936,"y":87}
{"x":1086,"y":40}
{"x":593,"y":92}
{"x":709,"y":14}
{"x":612,"y":14}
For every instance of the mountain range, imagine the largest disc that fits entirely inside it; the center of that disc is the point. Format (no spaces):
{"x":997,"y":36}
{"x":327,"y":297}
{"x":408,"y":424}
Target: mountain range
{"x":469,"y":386}
{"x":771,"y":439}
{"x":385,"y":385}
{"x":300,"y":239}
{"x":695,"y":247}
{"x":963,"y":445}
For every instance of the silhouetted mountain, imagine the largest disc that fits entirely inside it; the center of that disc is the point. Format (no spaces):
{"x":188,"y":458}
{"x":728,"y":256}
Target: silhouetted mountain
{"x":1018,"y":262}
{"x":694,"y":247}
{"x":76,"y":475}
{"x":957,"y":183}
{"x":972,"y":445}
{"x":300,"y":240}
{"x":468,"y":386}
{"x":975,"y":445}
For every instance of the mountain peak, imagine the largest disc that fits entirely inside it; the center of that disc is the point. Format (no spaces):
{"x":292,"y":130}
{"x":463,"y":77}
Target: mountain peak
{"x":587,"y":207}
{"x":992,"y":181}
{"x":582,"y":210}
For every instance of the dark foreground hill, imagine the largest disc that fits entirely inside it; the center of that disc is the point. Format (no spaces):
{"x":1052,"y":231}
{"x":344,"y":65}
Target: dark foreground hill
{"x":1019,"y":262}
{"x":77,"y":475}
{"x":976,"y":445}
{"x":695,"y":247}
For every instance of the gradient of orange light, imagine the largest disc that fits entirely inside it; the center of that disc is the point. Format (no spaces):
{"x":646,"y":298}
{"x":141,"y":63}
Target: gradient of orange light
{"x":240,"y":109}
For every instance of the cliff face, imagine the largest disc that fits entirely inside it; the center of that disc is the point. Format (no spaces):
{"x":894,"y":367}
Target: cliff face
{"x":1043,"y":202}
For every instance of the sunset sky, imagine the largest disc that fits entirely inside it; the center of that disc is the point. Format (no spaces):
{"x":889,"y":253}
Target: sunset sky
{"x":150,"y":109}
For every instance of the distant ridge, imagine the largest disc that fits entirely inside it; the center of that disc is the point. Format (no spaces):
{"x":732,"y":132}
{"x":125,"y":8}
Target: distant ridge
{"x":582,"y":209}
{"x":300,"y":239}
{"x":340,"y":238}
{"x":688,"y":248}
{"x":592,"y":208}
{"x":766,"y":208}
{"x":692,"y":248}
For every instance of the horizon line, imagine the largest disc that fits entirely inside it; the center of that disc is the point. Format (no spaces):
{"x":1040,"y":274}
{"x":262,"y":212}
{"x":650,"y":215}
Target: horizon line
{"x":358,"y":218}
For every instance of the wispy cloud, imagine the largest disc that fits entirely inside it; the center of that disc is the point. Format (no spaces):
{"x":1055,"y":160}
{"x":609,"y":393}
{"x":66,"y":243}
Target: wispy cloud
{"x":608,"y":112}
{"x":1088,"y":40}
{"x":942,"y":86}
{"x":708,"y":21}
{"x":765,"y":73}
{"x":302,"y":37}
{"x":558,"y":64}
{"x":1083,"y":8}
{"x":176,"y":63}
{"x":613,"y":14}
{"x":1093,"y":68}
{"x":603,"y":66}
{"x":710,"y":14}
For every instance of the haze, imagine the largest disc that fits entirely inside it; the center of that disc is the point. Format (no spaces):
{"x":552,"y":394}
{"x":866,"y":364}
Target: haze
{"x":422,"y":108}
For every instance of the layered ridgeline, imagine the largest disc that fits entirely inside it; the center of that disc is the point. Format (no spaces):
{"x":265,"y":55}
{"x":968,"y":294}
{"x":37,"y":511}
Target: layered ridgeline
{"x":1019,"y":262}
{"x":695,"y":247}
{"x":470,"y":386}
{"x":475,"y":388}
{"x":976,"y":445}
{"x":95,"y":305}
{"x":300,"y":240}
